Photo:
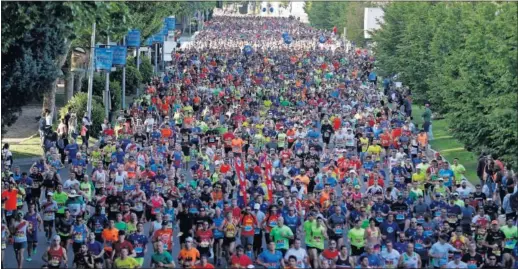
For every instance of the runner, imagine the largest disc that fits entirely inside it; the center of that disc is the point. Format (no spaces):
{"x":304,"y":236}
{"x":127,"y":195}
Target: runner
{"x":56,"y":255}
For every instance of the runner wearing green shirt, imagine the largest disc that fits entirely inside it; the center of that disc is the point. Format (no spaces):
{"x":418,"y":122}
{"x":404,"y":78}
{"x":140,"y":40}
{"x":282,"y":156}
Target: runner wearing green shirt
{"x":308,"y":225}
{"x":356,"y":236}
{"x":281,"y":234}
{"x":458,"y":171}
{"x":61,"y":198}
{"x":161,"y":258}
{"x":511,"y":235}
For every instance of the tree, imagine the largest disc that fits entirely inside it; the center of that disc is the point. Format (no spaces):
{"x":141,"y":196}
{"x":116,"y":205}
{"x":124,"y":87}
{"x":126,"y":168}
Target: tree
{"x":461,"y":57}
{"x":350,"y":15}
{"x":34,"y":35}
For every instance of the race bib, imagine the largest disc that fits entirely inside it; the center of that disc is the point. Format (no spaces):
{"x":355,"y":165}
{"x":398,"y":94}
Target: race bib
{"x":427,"y":233}
{"x":157,"y":210}
{"x":4,"y":245}
{"x":114,"y":207}
{"x":79,"y":237}
{"x":8,"y":213}
{"x":316,"y":238}
{"x":452,"y":219}
{"x":472,"y":266}
{"x":273,"y":223}
{"x":248,"y":228}
{"x":257,"y":230}
{"x":98,"y":228}
{"x":139,"y":206}
{"x":338,"y":230}
{"x":400,"y":217}
{"x":418,"y":246}
{"x":280,"y":243}
{"x":204,"y":244}
{"x":54,"y":261}
{"x":20,"y":235}
{"x":437,"y":213}
{"x":139,"y":250}
{"x":509,"y":243}
{"x":35,"y":185}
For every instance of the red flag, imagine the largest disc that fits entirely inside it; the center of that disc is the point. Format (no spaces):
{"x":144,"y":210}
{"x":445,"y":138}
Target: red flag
{"x":240,"y":172}
{"x":268,"y":178}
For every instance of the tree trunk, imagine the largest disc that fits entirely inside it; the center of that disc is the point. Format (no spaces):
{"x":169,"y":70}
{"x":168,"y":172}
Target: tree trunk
{"x":78,"y":81}
{"x":49,"y":96}
{"x":69,"y":84}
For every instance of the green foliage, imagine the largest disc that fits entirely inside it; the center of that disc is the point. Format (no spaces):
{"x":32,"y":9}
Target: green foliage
{"x":99,"y":84}
{"x":78,"y":105}
{"x":461,"y":57}
{"x":34,"y":35}
{"x":326,"y":15}
{"x":133,"y":78}
{"x":146,"y":68}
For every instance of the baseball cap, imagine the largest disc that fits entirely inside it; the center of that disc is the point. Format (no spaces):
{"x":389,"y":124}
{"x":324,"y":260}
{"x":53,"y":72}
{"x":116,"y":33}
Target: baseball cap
{"x":494,"y":222}
{"x":50,"y":193}
{"x":189,"y":239}
{"x":357,"y":187}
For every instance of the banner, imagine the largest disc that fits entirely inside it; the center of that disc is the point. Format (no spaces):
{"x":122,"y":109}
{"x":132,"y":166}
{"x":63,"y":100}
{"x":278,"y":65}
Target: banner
{"x":119,"y":55}
{"x":164,"y":31}
{"x":133,"y":38}
{"x":268,"y":178}
{"x":103,"y":59}
{"x":170,"y":23}
{"x":158,"y":38}
{"x":240,"y":173}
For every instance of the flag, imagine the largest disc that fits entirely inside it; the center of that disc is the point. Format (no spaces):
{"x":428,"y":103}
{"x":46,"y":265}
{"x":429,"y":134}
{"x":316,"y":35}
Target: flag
{"x":240,"y":172}
{"x":268,"y":179}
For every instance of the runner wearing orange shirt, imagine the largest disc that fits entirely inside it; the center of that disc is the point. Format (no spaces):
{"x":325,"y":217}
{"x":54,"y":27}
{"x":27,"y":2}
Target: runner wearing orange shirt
{"x":110,"y":235}
{"x":237,"y":145}
{"x":165,"y":236}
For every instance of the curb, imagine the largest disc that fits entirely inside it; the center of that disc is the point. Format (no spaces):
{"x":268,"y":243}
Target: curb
{"x":6,"y":140}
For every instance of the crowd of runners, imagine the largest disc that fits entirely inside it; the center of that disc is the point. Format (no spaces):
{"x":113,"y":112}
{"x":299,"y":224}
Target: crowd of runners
{"x":285,"y":156}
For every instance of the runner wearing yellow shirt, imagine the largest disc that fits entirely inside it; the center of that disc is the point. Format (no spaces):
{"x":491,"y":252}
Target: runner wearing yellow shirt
{"x":126,"y":262}
{"x":375,"y":150}
{"x":458,"y":171}
{"x":419,"y":177}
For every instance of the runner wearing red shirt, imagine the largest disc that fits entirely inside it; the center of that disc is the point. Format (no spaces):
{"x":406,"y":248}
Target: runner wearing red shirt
{"x":205,"y":239}
{"x":227,"y":140}
{"x":240,"y":260}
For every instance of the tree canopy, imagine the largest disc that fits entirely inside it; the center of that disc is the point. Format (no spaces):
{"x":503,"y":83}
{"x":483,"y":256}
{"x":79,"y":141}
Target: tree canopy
{"x":460,"y":57}
{"x":37,"y":37}
{"x":326,"y":15}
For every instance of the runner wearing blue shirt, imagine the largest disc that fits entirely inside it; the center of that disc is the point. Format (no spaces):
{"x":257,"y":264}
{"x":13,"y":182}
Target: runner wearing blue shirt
{"x":139,"y":241}
{"x":271,"y":258}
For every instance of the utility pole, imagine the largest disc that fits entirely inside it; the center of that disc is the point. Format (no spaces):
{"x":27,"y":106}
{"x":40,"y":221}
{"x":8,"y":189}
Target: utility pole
{"x":156,"y":58}
{"x":124,"y":79}
{"x":107,"y":87}
{"x":91,"y":73}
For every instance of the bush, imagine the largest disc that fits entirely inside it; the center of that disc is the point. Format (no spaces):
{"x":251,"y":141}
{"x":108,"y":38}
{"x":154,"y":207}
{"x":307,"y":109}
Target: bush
{"x":99,"y":84}
{"x":146,"y":69}
{"x":78,"y":105}
{"x":133,"y":78}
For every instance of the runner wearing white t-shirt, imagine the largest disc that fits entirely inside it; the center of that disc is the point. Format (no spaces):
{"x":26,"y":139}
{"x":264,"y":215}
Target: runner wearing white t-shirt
{"x":299,"y":253}
{"x":390,"y":256}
